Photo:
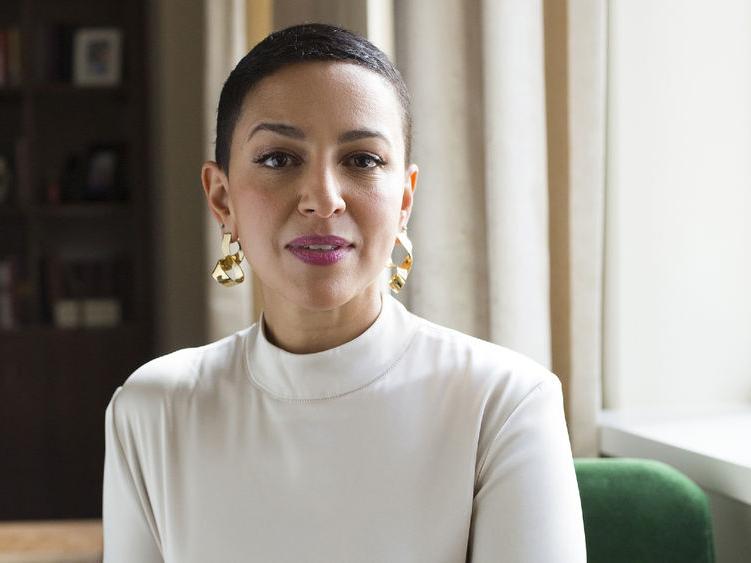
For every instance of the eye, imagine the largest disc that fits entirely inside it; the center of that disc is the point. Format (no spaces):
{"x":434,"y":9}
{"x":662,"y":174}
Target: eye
{"x":365,"y":161}
{"x":279,"y":158}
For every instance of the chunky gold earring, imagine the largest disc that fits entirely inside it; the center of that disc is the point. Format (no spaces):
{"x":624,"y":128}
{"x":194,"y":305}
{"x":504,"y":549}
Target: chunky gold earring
{"x":401,"y":271}
{"x":227,"y":270}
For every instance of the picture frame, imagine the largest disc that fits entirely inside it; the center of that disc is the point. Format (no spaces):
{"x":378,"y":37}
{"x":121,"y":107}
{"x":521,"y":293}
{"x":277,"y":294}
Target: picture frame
{"x":97,"y":54}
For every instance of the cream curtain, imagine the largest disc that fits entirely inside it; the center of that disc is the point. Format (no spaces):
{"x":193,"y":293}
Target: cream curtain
{"x":579,"y":358}
{"x":229,"y":27}
{"x":509,"y":100}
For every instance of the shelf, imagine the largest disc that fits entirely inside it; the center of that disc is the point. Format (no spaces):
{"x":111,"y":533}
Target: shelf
{"x":62,"y":90}
{"x":39,"y":330}
{"x":12,"y":212}
{"x":91,"y":210}
{"x":95,"y":210}
{"x":11,"y":93}
{"x":709,"y":444}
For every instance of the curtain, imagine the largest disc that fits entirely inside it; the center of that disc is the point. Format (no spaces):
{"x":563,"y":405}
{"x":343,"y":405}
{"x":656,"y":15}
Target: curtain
{"x":229,"y":30}
{"x":508,"y":102}
{"x":580,"y":354}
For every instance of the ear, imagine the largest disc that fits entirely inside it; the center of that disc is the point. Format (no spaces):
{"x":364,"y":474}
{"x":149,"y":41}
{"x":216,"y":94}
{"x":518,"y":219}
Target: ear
{"x":216,"y":188}
{"x":410,"y":183}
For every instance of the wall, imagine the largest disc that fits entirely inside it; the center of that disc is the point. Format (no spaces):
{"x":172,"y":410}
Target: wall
{"x":677,"y":307}
{"x":731,"y":521}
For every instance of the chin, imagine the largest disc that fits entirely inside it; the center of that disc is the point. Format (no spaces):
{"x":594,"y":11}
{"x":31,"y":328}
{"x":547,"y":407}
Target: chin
{"x":322,"y":295}
{"x":328,"y":294}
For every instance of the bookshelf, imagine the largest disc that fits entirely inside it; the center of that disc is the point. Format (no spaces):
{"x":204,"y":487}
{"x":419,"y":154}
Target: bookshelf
{"x":76,"y":263}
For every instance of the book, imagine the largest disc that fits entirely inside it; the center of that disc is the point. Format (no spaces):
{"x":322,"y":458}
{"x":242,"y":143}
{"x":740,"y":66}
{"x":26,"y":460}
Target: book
{"x":82,"y":292}
{"x":3,"y":58}
{"x":6,"y":179}
{"x":21,"y":167}
{"x":8,"y":313}
{"x":10,"y":57}
{"x":61,"y":53}
{"x":14,"y":57}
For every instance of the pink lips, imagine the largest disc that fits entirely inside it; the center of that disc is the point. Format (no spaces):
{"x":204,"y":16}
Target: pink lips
{"x":320,"y":257}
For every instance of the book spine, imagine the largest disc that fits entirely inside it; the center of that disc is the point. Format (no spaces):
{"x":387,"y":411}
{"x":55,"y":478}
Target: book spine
{"x":43,"y":64}
{"x":21,"y":184}
{"x":3,"y":58}
{"x":6,"y":179}
{"x":65,"y":58}
{"x":7,"y":292}
{"x":14,"y":57}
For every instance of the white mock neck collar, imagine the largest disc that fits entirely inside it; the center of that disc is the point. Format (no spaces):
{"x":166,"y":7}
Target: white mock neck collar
{"x":336,"y":371}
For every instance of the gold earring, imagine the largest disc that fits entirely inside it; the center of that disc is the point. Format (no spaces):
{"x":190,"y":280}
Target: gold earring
{"x":401,"y":271}
{"x":227,"y":270}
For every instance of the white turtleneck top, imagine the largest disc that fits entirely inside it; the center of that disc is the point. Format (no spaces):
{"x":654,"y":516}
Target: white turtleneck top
{"x":410,"y":443}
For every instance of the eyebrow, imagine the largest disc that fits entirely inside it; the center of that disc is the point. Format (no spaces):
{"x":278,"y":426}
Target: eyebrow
{"x":295,"y":133}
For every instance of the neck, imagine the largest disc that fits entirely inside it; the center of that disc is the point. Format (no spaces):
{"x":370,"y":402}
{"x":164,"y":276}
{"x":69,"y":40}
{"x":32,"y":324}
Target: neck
{"x":300,"y":330}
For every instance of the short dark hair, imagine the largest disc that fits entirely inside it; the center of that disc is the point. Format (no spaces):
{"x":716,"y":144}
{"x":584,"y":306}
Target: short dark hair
{"x":295,"y":44}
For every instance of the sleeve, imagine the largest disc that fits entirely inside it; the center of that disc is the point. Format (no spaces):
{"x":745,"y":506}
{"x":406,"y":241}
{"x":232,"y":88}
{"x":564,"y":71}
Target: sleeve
{"x":127,"y":520}
{"x":526,"y":506}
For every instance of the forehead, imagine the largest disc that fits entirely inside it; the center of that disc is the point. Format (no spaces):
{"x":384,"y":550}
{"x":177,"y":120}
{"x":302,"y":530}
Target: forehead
{"x":324,"y":95}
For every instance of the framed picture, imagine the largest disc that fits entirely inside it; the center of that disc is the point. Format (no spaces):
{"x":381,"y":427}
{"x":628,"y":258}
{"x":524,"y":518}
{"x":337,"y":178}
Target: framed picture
{"x":97,"y":56}
{"x":104,"y":173}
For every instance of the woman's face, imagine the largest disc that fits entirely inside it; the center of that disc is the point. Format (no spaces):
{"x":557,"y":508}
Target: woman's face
{"x":317,"y":151}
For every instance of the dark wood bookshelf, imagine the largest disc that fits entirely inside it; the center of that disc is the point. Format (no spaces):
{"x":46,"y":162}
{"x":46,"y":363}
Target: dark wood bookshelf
{"x":76,"y":264}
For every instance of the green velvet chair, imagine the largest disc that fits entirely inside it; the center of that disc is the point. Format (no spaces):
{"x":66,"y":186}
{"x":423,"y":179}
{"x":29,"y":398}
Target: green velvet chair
{"x":642,"y":511}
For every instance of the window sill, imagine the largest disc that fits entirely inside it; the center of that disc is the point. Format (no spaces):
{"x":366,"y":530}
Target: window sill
{"x":711,"y":445}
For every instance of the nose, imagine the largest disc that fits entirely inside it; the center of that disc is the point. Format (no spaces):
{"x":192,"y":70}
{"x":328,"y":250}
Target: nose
{"x":321,"y":194}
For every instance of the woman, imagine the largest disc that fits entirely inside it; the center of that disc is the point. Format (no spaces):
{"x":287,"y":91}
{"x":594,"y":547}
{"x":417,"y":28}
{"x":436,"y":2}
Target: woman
{"x":340,"y":427}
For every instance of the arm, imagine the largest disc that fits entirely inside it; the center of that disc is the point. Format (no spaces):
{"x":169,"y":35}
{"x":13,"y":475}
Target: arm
{"x":127,"y":520}
{"x":526,"y":507}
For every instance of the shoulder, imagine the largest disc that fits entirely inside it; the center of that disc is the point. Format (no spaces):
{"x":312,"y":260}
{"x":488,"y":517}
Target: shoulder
{"x":159,"y":383}
{"x":485,"y":381}
{"x":482,"y":363}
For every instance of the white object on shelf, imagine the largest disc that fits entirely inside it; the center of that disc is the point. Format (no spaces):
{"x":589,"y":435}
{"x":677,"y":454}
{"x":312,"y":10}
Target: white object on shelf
{"x":101,"y":313}
{"x":67,"y":313}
